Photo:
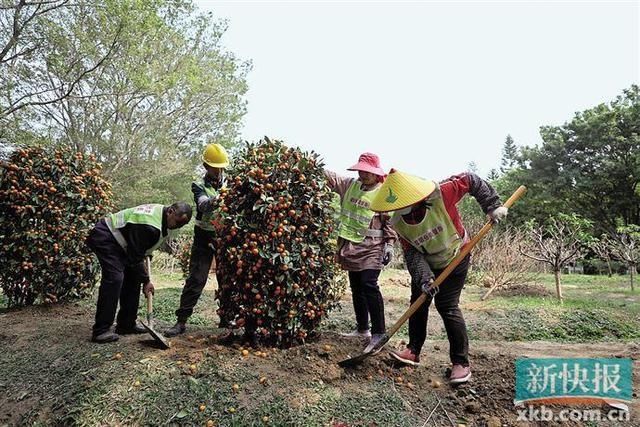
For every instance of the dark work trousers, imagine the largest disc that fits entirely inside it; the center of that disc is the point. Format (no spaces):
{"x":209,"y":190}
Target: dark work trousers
{"x":202,"y":254}
{"x":119,"y":282}
{"x":367,"y":300}
{"x":447,"y":303}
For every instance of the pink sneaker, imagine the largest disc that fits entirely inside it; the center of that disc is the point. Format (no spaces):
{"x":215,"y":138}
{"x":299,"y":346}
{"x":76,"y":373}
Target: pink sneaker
{"x":406,"y":356}
{"x":459,"y":374}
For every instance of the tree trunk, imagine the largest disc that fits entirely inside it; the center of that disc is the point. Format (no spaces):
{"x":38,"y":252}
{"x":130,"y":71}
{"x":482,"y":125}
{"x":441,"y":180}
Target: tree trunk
{"x":491,"y":289}
{"x":632,"y":271}
{"x":556,"y":275}
{"x":609,"y":267}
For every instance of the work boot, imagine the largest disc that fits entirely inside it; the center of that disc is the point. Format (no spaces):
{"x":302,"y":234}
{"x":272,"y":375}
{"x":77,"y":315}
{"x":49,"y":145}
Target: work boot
{"x":459,"y":374}
{"x":177,"y":329}
{"x":135,"y":329}
{"x":105,"y":337}
{"x":407,"y":357}
{"x":358,"y":334}
{"x":373,"y":342}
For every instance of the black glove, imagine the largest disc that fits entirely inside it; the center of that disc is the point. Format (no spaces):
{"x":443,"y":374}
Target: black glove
{"x":426,"y":290}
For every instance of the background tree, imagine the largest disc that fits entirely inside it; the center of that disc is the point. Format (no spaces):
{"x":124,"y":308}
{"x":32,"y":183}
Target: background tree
{"x":499,"y":265}
{"x":602,"y":248}
{"x":159,"y":87}
{"x":589,"y":166}
{"x":558,"y":242}
{"x":509,"y":155}
{"x":30,"y":34}
{"x":625,"y":246}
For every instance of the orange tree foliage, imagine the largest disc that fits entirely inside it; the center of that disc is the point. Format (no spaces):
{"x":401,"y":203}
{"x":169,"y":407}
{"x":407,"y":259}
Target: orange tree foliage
{"x":49,"y":200}
{"x":276,"y":250}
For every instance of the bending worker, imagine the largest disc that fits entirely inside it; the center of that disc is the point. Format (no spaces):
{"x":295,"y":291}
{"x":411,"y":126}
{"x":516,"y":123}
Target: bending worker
{"x":432,"y":234}
{"x":121,"y":241}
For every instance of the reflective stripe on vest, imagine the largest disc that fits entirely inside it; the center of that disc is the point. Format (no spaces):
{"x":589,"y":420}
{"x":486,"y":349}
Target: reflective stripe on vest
{"x":355,"y":216}
{"x":144,"y":214}
{"x":435,"y":236}
{"x":205,"y":222}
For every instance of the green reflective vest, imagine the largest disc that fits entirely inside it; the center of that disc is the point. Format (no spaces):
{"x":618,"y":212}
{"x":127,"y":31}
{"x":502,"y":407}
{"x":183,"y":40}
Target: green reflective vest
{"x":205,"y":222}
{"x":435,"y":236}
{"x":150,"y":214}
{"x":355,"y":216}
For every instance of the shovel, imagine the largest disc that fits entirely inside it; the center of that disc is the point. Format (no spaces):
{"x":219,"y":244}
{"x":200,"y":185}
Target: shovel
{"x":433,"y":289}
{"x":162,"y":341}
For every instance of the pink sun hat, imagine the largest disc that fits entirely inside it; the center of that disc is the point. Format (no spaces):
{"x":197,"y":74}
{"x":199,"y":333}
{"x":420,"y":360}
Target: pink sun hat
{"x":368,"y":162}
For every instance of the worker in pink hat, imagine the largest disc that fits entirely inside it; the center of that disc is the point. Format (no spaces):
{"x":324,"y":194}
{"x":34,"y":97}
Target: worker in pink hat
{"x":365,"y":243}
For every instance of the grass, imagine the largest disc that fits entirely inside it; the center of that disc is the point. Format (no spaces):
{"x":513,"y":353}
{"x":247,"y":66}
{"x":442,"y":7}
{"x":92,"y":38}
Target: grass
{"x":595,"y":308}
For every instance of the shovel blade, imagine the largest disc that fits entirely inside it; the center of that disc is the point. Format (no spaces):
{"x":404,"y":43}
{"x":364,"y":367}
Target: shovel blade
{"x":164,"y":344}
{"x":354,"y":361}
{"x":358,"y":359}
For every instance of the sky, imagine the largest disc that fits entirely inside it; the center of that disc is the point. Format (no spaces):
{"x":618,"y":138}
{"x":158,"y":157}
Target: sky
{"x":428,"y":86}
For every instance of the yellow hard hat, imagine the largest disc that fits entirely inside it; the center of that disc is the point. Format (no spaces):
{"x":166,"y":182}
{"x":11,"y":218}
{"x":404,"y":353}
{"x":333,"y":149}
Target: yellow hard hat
{"x":401,"y":190}
{"x":215,"y":156}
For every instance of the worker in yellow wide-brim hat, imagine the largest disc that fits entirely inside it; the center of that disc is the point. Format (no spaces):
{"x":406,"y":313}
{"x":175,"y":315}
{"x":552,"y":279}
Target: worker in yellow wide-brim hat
{"x":425,"y":216}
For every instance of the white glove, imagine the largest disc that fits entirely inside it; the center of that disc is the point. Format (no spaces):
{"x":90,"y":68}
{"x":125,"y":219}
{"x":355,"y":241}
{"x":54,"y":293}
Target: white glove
{"x":498,"y":214}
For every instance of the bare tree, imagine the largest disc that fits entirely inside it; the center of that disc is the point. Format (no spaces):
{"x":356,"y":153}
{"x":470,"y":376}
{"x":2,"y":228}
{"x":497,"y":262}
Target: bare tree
{"x":625,"y":246}
{"x":558,"y":243}
{"x":499,"y":264}
{"x":602,"y":248}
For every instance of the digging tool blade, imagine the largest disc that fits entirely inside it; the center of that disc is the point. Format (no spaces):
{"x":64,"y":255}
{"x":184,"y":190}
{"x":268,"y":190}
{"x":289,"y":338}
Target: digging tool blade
{"x":162,"y":341}
{"x":356,"y":360}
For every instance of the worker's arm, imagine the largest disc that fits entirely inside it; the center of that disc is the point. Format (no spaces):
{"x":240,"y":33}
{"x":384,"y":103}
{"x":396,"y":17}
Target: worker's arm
{"x":204,"y":203}
{"x":337,"y":183}
{"x":140,"y":238}
{"x":389,"y":235}
{"x":417,"y":266}
{"x":454,"y":188}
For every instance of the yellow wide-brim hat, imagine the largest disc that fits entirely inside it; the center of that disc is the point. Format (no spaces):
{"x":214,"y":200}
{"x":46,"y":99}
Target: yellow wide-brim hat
{"x":400,"y":190}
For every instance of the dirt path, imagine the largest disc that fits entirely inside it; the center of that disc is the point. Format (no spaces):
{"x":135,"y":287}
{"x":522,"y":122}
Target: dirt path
{"x":50,"y":370}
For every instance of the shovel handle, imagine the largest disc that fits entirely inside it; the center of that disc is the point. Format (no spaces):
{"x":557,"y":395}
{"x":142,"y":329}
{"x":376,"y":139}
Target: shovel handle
{"x":445,"y":273}
{"x":149,"y":304}
{"x":149,"y":295}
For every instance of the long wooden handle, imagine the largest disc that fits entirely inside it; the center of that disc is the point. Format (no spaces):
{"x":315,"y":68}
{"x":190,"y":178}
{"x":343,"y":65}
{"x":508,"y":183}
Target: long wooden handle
{"x":445,"y":273}
{"x":149,"y":295}
{"x":149,"y":304}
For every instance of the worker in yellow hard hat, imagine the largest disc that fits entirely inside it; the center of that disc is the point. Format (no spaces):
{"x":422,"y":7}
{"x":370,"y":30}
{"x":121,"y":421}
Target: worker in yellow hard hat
{"x":432,"y":234}
{"x":205,"y":194}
